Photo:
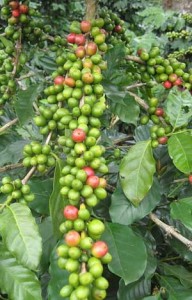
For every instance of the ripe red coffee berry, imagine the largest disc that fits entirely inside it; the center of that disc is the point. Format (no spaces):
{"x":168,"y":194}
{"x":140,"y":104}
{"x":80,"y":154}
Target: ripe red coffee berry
{"x":99,"y":249}
{"x":70,"y":212}
{"x":89,"y":171}
{"x":139,"y":51}
{"x":178,"y":82}
{"x":118,"y":28}
{"x":167,"y":84}
{"x":163,"y":140}
{"x":24,"y":9}
{"x":159,"y":112}
{"x":85,"y":26}
{"x":93,"y":181}
{"x":14,"y":4}
{"x":71,"y":38}
{"x":190,"y":179}
{"x":59,"y":80}
{"x":72,"y":238}
{"x":78,"y":135}
{"x":16,"y":13}
{"x":80,"y":39}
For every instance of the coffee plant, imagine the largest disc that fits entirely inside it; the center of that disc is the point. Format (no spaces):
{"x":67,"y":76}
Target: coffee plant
{"x":95,"y":144}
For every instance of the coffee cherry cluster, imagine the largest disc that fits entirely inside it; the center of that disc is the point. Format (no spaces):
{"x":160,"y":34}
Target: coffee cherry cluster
{"x":170,"y":72}
{"x":23,"y":26}
{"x":36,"y":155}
{"x":80,"y":181}
{"x":18,"y":12}
{"x":161,"y":126}
{"x":23,"y":22}
{"x":183,"y":34}
{"x":73,"y":108}
{"x":16,"y":191}
{"x":83,"y":254}
{"x":187,"y":17}
{"x":182,"y":53}
{"x":116,"y":31}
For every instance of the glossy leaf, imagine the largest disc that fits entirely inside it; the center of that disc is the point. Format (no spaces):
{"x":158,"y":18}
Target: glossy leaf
{"x":56,"y":202}
{"x":42,"y":190}
{"x":59,"y":278}
{"x":136,"y":290}
{"x":178,"y":107}
{"x":175,"y":290}
{"x":48,"y":241}
{"x":184,"y":276}
{"x":12,"y":152}
{"x":113,"y":57}
{"x":182,"y":210}
{"x":179,"y":147}
{"x":181,"y":249}
{"x":128,"y":250}
{"x":21,"y":235}
{"x":156,"y":297}
{"x":124,"y":212}
{"x":17,"y":281}
{"x":136,"y":172}
{"x":5,"y":42}
{"x":127,"y":110}
{"x":142,"y":133}
{"x":24,"y":103}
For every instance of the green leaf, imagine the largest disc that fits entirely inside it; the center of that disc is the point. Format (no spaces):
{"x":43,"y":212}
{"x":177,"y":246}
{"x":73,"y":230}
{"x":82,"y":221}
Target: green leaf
{"x":5,"y":42}
{"x":17,"y":281}
{"x":56,"y":202}
{"x":154,"y":16}
{"x":136,"y":290}
{"x":20,"y":235}
{"x":48,"y":241}
{"x":175,"y":290}
{"x":182,"y":210}
{"x":42,"y":190}
{"x":184,"y":276}
{"x":24,"y":103}
{"x":136,"y":171}
{"x":113,"y":58}
{"x":158,"y":91}
{"x":127,"y":110}
{"x":178,"y":107}
{"x":123,"y":212}
{"x":128,"y":250}
{"x":146,"y":41}
{"x":59,"y":277}
{"x":12,"y":152}
{"x":179,"y":147}
{"x":156,"y":297}
{"x":44,"y":61}
{"x":179,"y":248}
{"x":142,"y":133}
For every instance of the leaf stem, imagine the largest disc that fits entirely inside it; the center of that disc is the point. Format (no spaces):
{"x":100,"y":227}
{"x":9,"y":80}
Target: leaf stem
{"x":28,"y":175}
{"x":11,"y":167}
{"x":140,"y":101}
{"x":135,"y":85}
{"x":33,"y":169}
{"x":9,"y":124}
{"x":7,"y":202}
{"x":171,"y":231}
{"x":135,"y":59}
